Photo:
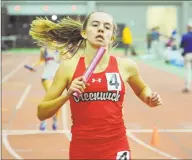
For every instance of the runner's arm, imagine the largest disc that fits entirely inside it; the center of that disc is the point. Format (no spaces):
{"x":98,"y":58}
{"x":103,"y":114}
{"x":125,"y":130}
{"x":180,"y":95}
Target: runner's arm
{"x":54,"y":98}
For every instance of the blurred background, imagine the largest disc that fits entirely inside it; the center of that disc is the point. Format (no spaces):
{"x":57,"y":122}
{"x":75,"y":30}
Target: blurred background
{"x":140,"y":16}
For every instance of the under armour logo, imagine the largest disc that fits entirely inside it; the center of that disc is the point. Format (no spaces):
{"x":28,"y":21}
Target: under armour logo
{"x":96,"y":80}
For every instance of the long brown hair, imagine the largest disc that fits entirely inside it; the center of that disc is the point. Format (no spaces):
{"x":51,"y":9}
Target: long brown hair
{"x":64,"y":36}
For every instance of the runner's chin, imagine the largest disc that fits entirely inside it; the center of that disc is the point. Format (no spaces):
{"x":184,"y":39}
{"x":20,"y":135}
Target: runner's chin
{"x":99,"y":43}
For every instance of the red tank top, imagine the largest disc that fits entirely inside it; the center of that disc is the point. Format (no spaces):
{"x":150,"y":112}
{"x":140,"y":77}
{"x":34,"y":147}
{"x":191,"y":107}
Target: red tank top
{"x":97,"y":113}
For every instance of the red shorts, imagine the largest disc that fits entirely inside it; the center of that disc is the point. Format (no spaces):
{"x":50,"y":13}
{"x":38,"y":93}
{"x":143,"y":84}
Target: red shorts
{"x":116,"y":150}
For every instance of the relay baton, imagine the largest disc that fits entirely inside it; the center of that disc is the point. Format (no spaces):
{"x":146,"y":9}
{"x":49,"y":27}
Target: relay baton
{"x":92,"y":66}
{"x":29,"y":67}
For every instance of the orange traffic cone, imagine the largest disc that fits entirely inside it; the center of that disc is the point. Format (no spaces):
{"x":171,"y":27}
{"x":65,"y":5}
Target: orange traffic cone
{"x":155,"y":137}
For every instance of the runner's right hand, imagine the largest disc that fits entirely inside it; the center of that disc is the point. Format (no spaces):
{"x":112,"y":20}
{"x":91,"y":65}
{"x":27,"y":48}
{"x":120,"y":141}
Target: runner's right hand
{"x":77,"y":85}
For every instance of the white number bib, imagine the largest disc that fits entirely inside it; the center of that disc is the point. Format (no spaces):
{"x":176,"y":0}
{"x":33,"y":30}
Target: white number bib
{"x":113,"y":81}
{"x":123,"y":155}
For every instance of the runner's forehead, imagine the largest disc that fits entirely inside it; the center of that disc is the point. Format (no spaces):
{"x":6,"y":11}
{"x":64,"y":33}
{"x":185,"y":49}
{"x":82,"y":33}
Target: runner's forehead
{"x":101,"y":17}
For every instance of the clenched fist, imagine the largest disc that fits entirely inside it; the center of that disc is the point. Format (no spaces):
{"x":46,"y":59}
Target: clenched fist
{"x":154,"y":100}
{"x":77,"y":85}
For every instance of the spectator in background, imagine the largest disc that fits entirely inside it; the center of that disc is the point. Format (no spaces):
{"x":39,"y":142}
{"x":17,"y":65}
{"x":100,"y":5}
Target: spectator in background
{"x":155,"y":35}
{"x":149,"y":40}
{"x":170,"y":46}
{"x":127,"y":39}
{"x":172,"y":41}
{"x":51,"y":60}
{"x":186,"y":44}
{"x":155,"y":42}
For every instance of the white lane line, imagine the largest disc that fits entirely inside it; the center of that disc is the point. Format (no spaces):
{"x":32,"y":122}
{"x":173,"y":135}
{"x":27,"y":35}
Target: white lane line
{"x":137,"y":140}
{"x":67,"y":132}
{"x":30,"y":132}
{"x":5,"y":140}
{"x":9,"y":148}
{"x":27,"y":89}
{"x":10,"y":74}
{"x":160,"y":130}
{"x":19,"y":104}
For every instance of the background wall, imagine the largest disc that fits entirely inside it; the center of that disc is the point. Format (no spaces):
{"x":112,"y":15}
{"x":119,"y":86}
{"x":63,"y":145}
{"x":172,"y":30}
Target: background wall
{"x":139,"y":15}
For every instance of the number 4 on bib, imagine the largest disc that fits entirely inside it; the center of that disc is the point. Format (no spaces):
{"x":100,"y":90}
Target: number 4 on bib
{"x":113,"y":81}
{"x":123,"y":155}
